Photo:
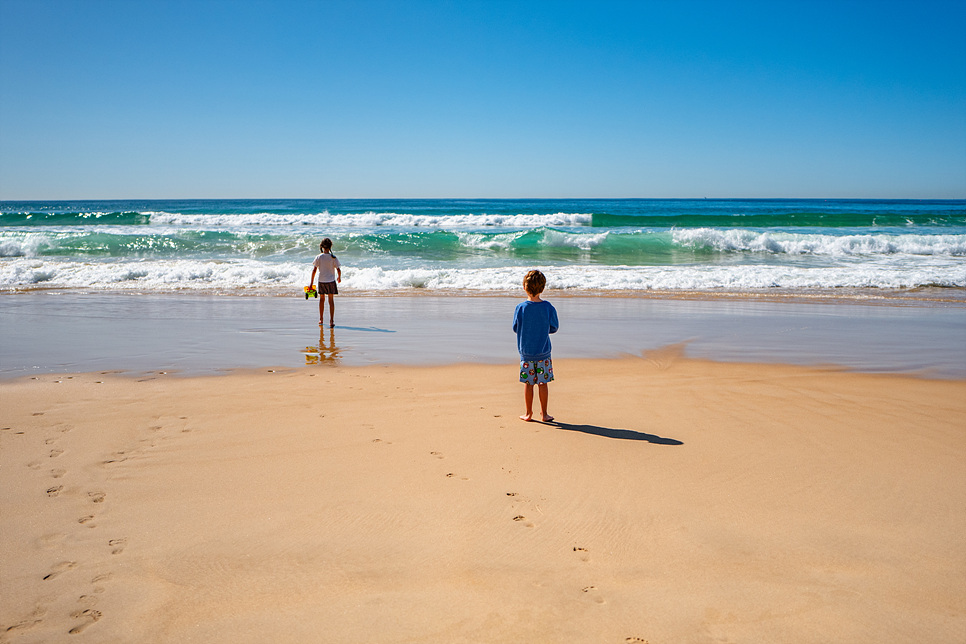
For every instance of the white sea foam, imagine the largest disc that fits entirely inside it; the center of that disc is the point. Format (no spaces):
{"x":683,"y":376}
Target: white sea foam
{"x":254,"y":275}
{"x":22,"y":244}
{"x":499,"y":241}
{"x":737,"y":240}
{"x":548,"y":239}
{"x":12,"y":248}
{"x":557,"y":238}
{"x":371,"y":220}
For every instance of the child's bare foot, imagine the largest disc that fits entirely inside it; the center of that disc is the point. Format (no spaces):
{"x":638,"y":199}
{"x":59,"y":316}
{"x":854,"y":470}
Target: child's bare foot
{"x":526,"y":417}
{"x":547,"y":419}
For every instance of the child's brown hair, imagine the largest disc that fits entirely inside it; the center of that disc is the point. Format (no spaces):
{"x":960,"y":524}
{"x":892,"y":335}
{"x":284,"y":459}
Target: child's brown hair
{"x":325,"y":245}
{"x":534,"y":283}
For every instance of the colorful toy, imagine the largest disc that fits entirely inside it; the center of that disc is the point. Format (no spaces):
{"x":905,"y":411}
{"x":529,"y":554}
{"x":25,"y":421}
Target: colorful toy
{"x":310,"y":292}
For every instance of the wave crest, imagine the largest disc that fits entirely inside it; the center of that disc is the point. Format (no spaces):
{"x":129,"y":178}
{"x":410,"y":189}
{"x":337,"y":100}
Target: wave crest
{"x":252,"y":275}
{"x":807,"y":244}
{"x":372,"y":220}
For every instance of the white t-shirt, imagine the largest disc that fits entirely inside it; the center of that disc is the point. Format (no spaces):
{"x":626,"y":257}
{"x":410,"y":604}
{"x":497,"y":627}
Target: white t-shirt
{"x":326,"y":263}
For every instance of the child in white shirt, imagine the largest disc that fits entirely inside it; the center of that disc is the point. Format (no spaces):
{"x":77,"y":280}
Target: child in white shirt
{"x":330,"y":274}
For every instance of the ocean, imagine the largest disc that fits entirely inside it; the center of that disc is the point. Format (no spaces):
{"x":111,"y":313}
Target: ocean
{"x":849,"y":248}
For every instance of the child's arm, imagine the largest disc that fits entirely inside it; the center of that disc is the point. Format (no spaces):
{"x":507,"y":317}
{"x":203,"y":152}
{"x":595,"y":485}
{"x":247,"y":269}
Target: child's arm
{"x":339,"y":271}
{"x":554,"y":323}
{"x":312,"y":279}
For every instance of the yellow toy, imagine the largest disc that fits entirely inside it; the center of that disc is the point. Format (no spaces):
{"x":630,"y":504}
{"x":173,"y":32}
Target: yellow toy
{"x":310,"y":292}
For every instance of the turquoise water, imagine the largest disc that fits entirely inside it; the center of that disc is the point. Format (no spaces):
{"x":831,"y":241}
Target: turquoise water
{"x":479,"y":246}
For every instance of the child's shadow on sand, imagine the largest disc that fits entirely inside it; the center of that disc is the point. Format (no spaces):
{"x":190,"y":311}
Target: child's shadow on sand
{"x":621,"y":434}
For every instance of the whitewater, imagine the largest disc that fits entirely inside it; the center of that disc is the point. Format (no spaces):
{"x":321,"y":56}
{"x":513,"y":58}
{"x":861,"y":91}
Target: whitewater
{"x":485,"y":246}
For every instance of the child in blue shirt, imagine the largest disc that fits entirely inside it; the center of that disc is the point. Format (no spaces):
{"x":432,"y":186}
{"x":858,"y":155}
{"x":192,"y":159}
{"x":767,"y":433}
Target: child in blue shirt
{"x":533,"y":322}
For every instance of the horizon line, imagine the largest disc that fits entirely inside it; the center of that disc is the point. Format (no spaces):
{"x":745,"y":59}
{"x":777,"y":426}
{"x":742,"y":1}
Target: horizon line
{"x":89,"y":199}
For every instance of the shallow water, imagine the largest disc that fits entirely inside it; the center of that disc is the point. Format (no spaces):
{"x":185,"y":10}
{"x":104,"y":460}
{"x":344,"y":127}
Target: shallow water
{"x":197,"y":334}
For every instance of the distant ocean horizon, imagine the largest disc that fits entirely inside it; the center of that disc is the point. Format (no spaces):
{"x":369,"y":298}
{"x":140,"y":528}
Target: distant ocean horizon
{"x":469,"y":246}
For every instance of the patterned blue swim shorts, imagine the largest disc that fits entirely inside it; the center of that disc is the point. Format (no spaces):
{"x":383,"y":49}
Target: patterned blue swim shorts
{"x":536,"y":372}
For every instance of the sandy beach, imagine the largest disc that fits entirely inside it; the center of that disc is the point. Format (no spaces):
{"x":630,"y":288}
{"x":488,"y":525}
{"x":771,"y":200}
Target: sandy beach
{"x":675,"y":500}
{"x":749,"y":218}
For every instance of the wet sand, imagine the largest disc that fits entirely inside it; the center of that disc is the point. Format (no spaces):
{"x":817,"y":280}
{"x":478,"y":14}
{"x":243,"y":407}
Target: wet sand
{"x":193,"y":334}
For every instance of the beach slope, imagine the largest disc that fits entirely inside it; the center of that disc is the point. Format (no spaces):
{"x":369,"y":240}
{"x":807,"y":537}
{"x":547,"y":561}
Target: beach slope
{"x":674,"y":501}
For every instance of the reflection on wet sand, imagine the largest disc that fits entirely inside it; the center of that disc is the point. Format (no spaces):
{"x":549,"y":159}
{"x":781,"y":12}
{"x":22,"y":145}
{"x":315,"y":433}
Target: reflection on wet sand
{"x":326,"y":352}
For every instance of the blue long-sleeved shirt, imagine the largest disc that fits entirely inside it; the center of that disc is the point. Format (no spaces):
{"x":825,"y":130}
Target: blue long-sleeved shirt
{"x":533,"y":323}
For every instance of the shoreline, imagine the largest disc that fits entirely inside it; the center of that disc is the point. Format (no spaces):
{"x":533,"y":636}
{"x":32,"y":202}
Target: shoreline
{"x":673,"y":500}
{"x":921,"y":296}
{"x":195,"y":334}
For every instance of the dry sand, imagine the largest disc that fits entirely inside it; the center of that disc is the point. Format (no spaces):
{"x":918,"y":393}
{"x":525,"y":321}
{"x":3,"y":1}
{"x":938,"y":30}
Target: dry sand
{"x":677,"y":501}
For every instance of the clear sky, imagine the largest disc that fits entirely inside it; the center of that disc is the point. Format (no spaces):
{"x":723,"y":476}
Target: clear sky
{"x":475,"y":99}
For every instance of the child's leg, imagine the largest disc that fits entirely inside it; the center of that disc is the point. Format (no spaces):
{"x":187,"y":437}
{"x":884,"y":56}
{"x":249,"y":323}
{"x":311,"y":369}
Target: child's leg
{"x":321,"y":307}
{"x":528,"y":399}
{"x":331,"y":310}
{"x":544,"y":399}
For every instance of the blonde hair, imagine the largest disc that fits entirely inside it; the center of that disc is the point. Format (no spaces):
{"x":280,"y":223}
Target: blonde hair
{"x":534,"y":283}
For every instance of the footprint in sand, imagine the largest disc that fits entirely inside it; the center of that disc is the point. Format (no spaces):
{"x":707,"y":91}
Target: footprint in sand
{"x":437,"y":454}
{"x":97,"y":497}
{"x":592,"y":590}
{"x":62,"y":567}
{"x":54,"y":491}
{"x":54,"y":453}
{"x":57,"y":473}
{"x":584,"y":554}
{"x":521,"y":518}
{"x":99,"y":578}
{"x":85,"y":519}
{"x":119,"y":457}
{"x":89,"y":615}
{"x":34,"y":619}
{"x":117,"y":545}
{"x":635,"y":640}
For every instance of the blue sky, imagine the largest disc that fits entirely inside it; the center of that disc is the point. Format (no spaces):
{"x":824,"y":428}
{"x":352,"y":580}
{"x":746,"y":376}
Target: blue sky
{"x":500,"y":99}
